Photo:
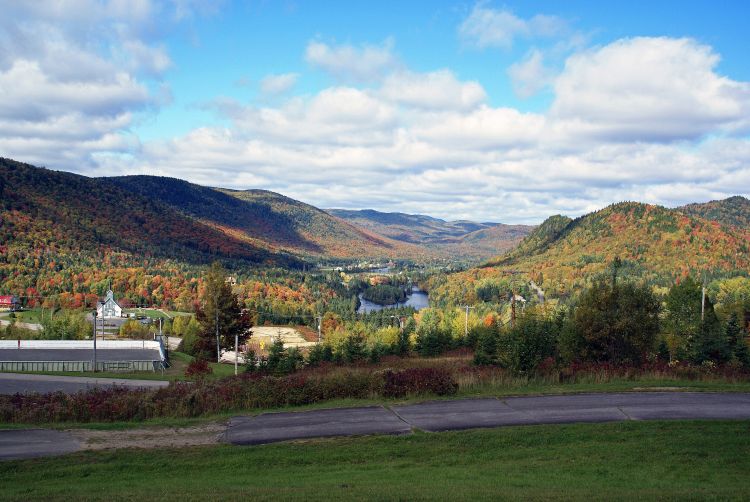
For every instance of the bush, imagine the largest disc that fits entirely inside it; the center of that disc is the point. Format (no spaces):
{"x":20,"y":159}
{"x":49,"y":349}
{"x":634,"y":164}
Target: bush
{"x":198,"y":368}
{"x":243,"y":392}
{"x":419,"y":381}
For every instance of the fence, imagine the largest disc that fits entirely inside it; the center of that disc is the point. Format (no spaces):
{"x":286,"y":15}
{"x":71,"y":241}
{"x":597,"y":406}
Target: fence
{"x":81,"y":366}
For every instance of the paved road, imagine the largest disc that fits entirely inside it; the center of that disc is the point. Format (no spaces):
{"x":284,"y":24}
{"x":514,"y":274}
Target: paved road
{"x":79,"y":355}
{"x":12,"y":383}
{"x":272,"y":427}
{"x":434,"y":416}
{"x":474,"y":413}
{"x":17,"y":444}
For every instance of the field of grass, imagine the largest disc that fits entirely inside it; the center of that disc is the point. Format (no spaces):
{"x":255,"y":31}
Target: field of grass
{"x":32,"y":316}
{"x":617,"y":461}
{"x":155,"y":313}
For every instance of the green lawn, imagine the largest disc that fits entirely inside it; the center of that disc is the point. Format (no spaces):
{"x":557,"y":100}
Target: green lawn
{"x":618,"y":461}
{"x":32,"y":316}
{"x":155,"y":314}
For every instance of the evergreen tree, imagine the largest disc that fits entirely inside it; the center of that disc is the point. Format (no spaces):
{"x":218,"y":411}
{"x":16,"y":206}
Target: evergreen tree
{"x":737,"y":341}
{"x":616,"y":322}
{"x":220,"y":313}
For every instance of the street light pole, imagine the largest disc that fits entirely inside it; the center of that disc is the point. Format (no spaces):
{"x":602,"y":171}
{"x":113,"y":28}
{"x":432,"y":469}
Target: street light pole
{"x":95,"y":313}
{"x":236,"y":352}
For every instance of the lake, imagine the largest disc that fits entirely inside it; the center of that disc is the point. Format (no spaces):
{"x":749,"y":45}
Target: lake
{"x":418,"y":299}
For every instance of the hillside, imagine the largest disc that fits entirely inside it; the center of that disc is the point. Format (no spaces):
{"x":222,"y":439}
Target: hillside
{"x":265,"y":219}
{"x":446,"y":238}
{"x":734,"y":211}
{"x":49,"y":212}
{"x":414,"y":228}
{"x":656,"y":244}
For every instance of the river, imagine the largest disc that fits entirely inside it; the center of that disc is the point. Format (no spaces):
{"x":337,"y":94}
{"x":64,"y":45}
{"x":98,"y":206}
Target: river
{"x":417,"y":299}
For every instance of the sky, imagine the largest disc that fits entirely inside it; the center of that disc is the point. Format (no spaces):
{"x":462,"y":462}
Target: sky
{"x":490,"y":111}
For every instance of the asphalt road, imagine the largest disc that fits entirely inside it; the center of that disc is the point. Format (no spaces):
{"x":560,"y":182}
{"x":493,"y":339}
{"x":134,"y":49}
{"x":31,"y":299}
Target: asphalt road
{"x":79,"y":355}
{"x":18,"y":444}
{"x":461,"y":414}
{"x":433,"y":416}
{"x":12,"y":383}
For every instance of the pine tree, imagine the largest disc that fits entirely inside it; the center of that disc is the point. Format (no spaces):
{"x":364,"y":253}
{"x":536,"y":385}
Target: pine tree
{"x":737,"y":341}
{"x":220,"y":313}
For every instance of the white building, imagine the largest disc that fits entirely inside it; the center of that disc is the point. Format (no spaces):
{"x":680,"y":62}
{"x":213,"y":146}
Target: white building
{"x":109,"y":307}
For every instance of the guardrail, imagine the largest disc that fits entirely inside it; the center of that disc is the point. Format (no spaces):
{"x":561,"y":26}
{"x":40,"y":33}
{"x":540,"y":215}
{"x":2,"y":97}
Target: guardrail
{"x":81,"y":366}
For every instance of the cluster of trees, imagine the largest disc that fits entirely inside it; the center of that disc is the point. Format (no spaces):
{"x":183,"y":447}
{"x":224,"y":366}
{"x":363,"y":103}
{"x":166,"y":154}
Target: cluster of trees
{"x":384,"y":294}
{"x":622,"y":324}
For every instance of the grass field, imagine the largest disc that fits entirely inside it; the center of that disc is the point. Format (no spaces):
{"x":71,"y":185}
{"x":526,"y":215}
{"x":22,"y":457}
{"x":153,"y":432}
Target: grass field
{"x":618,"y":461}
{"x":156,"y":314}
{"x":33,"y":316}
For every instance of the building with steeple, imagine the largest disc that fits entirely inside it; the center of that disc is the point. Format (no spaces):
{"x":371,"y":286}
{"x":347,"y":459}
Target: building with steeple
{"x":109,"y":307}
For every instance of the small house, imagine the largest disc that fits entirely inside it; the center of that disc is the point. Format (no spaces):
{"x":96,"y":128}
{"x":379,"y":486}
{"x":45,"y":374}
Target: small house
{"x":8,"y":302}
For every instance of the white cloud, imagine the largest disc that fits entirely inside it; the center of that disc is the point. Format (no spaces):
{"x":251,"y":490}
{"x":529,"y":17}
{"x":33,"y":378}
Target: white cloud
{"x":273,"y":85}
{"x":75,"y":74}
{"x":649,"y":89}
{"x":530,"y":75}
{"x":645,"y":119}
{"x":348,"y":63}
{"x":487,"y":27}
{"x":439,"y":90}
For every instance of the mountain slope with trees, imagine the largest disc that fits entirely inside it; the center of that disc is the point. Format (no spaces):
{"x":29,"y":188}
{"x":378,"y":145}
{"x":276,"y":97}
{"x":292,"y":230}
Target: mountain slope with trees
{"x":734,"y":211}
{"x":265,"y":219}
{"x":655,"y":244}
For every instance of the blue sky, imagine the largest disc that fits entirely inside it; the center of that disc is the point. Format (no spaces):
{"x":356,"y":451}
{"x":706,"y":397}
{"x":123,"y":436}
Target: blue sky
{"x":502,"y":111}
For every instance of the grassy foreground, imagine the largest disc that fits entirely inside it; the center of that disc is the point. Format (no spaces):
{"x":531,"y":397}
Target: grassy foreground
{"x":625,"y":461}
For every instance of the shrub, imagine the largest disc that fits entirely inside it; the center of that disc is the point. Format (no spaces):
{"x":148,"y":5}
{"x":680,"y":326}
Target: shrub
{"x":419,"y":381}
{"x":198,"y":368}
{"x":243,"y":392}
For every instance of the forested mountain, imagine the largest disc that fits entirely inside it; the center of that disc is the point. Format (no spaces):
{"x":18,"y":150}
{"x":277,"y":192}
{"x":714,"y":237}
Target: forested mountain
{"x":415,"y":228}
{"x":50,"y":213}
{"x":734,"y":211}
{"x":655,"y":244}
{"x":446,"y":238}
{"x":266,"y":219}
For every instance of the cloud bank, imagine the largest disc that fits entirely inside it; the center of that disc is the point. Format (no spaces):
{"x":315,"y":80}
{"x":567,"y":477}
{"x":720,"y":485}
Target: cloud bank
{"x":646,"y":118}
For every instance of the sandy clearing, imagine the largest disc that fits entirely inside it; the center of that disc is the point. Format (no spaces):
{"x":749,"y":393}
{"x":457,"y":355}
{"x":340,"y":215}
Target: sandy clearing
{"x":150,"y":437}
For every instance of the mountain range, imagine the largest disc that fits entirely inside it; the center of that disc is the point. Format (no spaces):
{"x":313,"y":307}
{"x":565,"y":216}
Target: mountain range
{"x":55,"y":223}
{"x":53,"y":212}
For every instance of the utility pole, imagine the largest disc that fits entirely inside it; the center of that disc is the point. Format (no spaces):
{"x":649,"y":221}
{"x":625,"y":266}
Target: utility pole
{"x":466,"y":321}
{"x":513,"y":298}
{"x":320,"y":322}
{"x":236,"y":352}
{"x":94,"y":313}
{"x":216,"y":321}
{"x":703,"y":302}
{"x":400,"y":321}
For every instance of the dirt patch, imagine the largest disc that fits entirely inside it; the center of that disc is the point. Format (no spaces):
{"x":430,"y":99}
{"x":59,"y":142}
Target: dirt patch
{"x":150,"y":437}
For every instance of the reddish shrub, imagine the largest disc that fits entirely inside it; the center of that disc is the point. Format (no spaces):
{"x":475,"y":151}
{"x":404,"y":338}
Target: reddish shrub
{"x":198,"y":368}
{"x":419,"y":381}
